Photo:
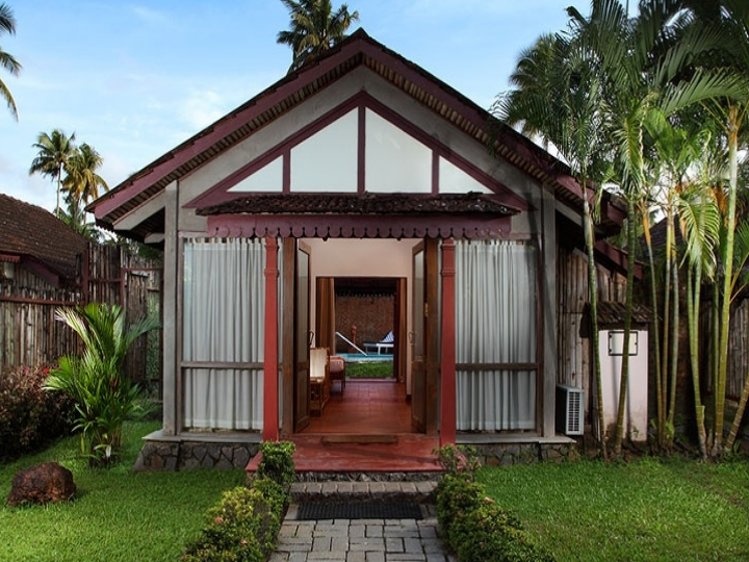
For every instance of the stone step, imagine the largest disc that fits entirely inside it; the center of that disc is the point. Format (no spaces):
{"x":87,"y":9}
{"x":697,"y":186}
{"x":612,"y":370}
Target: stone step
{"x":417,"y":492}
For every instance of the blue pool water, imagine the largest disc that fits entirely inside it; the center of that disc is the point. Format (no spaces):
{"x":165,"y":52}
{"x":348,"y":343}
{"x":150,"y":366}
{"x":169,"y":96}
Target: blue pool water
{"x":359,"y":358}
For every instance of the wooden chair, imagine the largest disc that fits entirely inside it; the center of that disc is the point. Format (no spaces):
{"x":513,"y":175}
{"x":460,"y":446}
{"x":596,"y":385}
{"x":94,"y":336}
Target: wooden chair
{"x":319,"y":379}
{"x":337,"y":369}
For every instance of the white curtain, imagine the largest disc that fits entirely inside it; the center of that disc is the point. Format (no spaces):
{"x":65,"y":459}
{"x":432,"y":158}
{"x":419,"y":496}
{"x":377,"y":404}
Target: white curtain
{"x":223,"y":314}
{"x":495,"y":288}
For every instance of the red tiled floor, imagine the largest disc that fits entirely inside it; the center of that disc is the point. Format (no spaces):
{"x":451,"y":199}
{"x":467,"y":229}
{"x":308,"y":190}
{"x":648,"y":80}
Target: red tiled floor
{"x":368,"y":408}
{"x":365,"y":407}
{"x":411,"y":453}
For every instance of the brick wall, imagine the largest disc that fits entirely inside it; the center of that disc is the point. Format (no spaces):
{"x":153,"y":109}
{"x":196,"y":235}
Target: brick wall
{"x":372,"y":316}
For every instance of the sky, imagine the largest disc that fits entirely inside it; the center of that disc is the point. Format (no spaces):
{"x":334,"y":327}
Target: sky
{"x":135,"y":79}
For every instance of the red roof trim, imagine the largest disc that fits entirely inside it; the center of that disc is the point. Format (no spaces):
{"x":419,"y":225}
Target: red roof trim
{"x":357,"y":227}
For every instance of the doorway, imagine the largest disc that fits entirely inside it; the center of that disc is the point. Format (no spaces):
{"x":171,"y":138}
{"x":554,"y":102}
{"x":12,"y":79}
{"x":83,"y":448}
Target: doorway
{"x":358,"y":304}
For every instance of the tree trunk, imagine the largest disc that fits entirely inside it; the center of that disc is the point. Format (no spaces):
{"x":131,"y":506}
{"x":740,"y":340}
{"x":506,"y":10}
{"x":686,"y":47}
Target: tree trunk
{"x":725,"y":313}
{"x":736,"y":425}
{"x":668,"y":432}
{"x":693,"y":314}
{"x":629,"y":304}
{"x":593,"y":297}
{"x":656,"y":326}
{"x":674,"y":360}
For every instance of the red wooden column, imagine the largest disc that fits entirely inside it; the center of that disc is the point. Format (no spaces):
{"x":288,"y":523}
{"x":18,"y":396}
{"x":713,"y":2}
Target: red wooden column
{"x":270,"y":362}
{"x":447,"y":366}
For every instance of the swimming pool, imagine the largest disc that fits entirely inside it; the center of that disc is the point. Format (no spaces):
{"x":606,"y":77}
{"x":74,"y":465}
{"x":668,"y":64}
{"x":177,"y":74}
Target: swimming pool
{"x":360,"y":358}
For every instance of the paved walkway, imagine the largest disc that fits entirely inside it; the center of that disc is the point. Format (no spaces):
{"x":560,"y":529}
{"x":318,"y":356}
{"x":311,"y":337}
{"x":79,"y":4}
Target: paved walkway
{"x":359,"y":540}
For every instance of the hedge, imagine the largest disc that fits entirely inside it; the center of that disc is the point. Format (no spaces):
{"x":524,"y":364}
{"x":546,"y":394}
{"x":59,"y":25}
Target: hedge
{"x":473,"y":525}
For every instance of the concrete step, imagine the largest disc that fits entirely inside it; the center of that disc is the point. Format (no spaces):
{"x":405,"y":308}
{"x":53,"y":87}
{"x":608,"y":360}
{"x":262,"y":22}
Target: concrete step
{"x":417,"y":492}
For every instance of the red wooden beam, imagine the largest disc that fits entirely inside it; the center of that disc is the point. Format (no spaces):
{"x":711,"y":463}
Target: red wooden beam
{"x":447,"y":367}
{"x":270,"y":360}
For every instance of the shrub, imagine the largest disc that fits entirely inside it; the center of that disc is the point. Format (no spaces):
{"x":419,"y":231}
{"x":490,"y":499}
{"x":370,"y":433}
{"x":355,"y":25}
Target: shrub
{"x":29,"y":416}
{"x":243,"y":527}
{"x":104,"y":397}
{"x":477,"y":528}
{"x":491,"y":534}
{"x":277,"y":462}
{"x":459,"y":460}
{"x":455,"y":496}
{"x":274,"y":493}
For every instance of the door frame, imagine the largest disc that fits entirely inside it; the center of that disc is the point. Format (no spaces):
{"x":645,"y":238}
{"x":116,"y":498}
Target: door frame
{"x":290,"y":360}
{"x":432,"y":348}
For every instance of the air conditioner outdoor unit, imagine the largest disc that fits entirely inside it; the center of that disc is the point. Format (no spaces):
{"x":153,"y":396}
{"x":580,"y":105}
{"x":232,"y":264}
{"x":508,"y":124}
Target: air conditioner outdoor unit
{"x":570,"y":410}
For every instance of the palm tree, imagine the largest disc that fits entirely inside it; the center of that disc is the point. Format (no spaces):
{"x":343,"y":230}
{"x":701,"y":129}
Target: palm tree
{"x":557,"y":95}
{"x":104,"y":396}
{"x":314,"y":28}
{"x":732,"y":20}
{"x":53,"y":153}
{"x":8,"y":61}
{"x":75,"y":218}
{"x":82,"y":182}
{"x":644,"y":69}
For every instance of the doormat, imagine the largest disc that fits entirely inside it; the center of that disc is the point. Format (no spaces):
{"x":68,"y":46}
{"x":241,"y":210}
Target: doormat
{"x":312,"y":511}
{"x":358,"y":439}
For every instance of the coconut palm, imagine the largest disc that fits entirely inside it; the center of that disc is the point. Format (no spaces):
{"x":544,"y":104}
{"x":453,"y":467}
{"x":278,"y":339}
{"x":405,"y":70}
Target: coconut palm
{"x":314,"y":28}
{"x":54,"y":150}
{"x":75,"y":217}
{"x":8,"y":61}
{"x":82,"y":182}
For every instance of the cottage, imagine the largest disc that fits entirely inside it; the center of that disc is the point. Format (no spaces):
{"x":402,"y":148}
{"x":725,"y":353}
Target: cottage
{"x":359,"y":164}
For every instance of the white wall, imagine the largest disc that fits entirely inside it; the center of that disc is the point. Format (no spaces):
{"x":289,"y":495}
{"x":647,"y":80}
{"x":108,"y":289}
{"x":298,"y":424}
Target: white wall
{"x":636,"y":413}
{"x":363,"y":258}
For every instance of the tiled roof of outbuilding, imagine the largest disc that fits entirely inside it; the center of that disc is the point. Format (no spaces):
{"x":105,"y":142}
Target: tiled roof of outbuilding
{"x":28,"y":230}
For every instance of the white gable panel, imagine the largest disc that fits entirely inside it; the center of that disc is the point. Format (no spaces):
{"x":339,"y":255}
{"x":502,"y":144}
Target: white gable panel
{"x":267,"y":178}
{"x":395,"y":161}
{"x":326,"y":161}
{"x":455,"y":180}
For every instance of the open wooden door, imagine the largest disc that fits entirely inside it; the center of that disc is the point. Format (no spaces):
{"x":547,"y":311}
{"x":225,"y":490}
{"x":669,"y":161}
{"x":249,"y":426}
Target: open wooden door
{"x":400,"y":329}
{"x":302,"y":337}
{"x":418,"y":339}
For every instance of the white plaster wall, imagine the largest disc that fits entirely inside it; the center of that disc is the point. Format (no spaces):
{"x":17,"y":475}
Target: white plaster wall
{"x":636,"y":413}
{"x":363,"y":258}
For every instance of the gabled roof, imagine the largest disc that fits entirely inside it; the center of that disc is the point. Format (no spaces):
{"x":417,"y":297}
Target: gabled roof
{"x":30,"y":232}
{"x":357,"y":50}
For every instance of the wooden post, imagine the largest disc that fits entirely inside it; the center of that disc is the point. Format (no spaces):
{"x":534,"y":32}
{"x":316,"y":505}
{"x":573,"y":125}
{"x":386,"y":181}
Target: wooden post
{"x":270,"y":361}
{"x":447,"y":367}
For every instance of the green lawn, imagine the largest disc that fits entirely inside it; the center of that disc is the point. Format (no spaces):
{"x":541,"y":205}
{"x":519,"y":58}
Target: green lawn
{"x":118,"y":516}
{"x":369,"y":370}
{"x":645,"y":510}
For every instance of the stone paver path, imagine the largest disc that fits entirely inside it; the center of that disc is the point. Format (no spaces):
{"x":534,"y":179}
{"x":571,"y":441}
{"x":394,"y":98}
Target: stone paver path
{"x":359,"y":540}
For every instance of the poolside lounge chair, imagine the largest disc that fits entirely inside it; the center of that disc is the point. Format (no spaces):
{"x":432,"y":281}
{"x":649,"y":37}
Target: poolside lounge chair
{"x":385,"y":344}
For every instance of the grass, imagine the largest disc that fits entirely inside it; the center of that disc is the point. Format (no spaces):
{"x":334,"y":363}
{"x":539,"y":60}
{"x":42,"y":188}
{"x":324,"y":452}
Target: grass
{"x":369,"y":370}
{"x":645,"y":510}
{"x":118,"y":515}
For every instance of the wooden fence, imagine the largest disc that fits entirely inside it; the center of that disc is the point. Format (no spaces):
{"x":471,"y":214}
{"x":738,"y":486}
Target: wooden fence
{"x":30,"y":335}
{"x":574,"y":358}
